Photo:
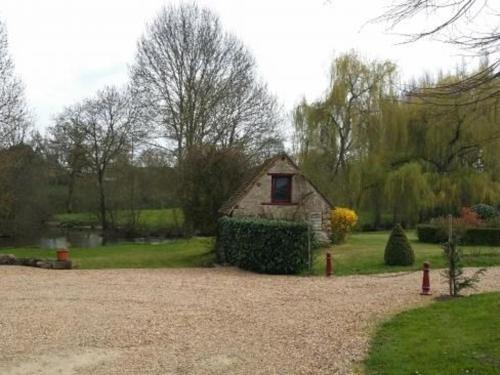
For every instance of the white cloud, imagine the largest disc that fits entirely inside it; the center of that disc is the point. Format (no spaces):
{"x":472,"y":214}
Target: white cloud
{"x":66,"y":50}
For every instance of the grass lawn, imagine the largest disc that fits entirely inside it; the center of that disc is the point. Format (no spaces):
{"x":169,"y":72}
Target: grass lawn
{"x":455,"y":337}
{"x":364,"y":254}
{"x":194,"y":252}
{"x":152,"y":219}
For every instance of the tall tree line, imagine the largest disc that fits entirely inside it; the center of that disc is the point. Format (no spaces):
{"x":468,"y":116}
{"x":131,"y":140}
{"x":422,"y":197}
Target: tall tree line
{"x":23,"y":200}
{"x":194,"y":113}
{"x":194,"y":102}
{"x":374,"y":148}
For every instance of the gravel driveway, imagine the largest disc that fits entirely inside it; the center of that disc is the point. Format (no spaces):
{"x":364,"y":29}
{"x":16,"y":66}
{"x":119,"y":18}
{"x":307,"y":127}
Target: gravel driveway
{"x":195,"y":321}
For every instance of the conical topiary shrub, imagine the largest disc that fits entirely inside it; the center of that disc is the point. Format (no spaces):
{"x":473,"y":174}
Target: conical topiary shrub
{"x":398,"y":251}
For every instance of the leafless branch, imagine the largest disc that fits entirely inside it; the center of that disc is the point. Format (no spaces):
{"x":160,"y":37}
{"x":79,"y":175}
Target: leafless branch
{"x":197,"y":83}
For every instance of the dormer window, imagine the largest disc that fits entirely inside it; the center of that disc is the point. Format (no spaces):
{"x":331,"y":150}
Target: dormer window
{"x":281,"y":188}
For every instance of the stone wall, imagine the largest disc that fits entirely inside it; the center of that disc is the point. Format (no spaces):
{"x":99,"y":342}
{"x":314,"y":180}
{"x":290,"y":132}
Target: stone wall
{"x":11,"y":260}
{"x":307,"y":203}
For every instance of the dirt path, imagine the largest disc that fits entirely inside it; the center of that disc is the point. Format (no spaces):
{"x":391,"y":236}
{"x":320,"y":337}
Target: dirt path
{"x":194,"y":321}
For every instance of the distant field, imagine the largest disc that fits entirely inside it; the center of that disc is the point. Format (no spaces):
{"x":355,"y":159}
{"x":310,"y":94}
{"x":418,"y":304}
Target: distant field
{"x":364,"y":254}
{"x":151,"y":219}
{"x":194,"y":252}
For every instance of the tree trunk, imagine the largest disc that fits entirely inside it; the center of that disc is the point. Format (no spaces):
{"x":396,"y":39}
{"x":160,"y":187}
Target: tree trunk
{"x":71,"y":189}
{"x":102,"y":206}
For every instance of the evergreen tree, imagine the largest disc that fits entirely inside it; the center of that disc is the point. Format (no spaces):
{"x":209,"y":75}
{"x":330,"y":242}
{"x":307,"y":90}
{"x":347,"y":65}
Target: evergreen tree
{"x":454,"y":272}
{"x":398,"y":251}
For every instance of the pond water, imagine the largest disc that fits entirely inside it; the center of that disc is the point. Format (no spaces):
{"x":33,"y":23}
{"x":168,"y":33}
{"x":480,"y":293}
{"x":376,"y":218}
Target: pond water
{"x":59,"y":238}
{"x":56,"y":238}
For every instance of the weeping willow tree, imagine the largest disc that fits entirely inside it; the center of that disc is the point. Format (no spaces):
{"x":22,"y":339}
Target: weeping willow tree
{"x":339,"y":131}
{"x":377,"y":150}
{"x":408,"y":193}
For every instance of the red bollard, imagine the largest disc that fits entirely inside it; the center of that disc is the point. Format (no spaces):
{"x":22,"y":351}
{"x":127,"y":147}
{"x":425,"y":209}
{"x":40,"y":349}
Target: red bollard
{"x":426,"y":283}
{"x":328,"y":264}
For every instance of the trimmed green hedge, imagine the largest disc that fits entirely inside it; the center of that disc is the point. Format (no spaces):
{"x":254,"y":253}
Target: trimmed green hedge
{"x":398,"y":251}
{"x":265,"y":246}
{"x":431,"y":233}
{"x":473,"y":236}
{"x":482,"y":236}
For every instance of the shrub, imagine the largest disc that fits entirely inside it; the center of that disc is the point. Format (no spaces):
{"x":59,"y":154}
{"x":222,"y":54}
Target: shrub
{"x":398,"y":251}
{"x":470,"y":217}
{"x":342,"y":221}
{"x":430,"y":233}
{"x":485,"y":211}
{"x":482,"y":236}
{"x":260,"y":245}
{"x":454,"y":272}
{"x":494,"y":222}
{"x":460,"y":225}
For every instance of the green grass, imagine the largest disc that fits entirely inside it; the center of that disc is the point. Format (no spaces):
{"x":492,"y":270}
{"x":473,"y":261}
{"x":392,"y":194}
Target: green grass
{"x":454,"y":337}
{"x":150,"y":219}
{"x":194,"y":252}
{"x":77,"y":219}
{"x":364,"y":254}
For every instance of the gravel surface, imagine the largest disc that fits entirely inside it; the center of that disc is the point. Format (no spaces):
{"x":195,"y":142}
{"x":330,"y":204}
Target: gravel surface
{"x":195,"y":321}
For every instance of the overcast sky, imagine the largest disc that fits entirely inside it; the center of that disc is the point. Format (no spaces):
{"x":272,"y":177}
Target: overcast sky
{"x":66,"y":50}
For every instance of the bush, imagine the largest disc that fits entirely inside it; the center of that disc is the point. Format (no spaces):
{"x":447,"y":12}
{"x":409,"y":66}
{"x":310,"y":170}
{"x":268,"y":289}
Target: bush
{"x":482,"y":236}
{"x":398,"y":251}
{"x":431,"y":233}
{"x":485,"y":211}
{"x":494,"y":222}
{"x":266,"y":246}
{"x":454,"y":272}
{"x":470,"y":217}
{"x":342,"y":221}
{"x":470,"y":236}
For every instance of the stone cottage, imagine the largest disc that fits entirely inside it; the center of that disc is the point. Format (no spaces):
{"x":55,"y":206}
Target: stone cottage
{"x":278,"y":190}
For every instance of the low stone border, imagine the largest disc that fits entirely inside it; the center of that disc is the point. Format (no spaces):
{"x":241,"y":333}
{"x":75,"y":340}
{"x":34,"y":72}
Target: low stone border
{"x":12,"y":260}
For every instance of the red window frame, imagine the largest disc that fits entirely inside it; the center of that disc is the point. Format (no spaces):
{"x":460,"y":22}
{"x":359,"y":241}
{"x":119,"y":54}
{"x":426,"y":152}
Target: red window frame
{"x":274,"y":177}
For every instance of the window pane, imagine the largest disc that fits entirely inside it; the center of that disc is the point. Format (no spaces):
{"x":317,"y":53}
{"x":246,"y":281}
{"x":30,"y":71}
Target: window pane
{"x":281,"y":189}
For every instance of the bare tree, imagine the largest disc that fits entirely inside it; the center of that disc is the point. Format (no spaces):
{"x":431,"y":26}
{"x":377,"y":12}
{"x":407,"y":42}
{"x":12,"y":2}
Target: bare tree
{"x":14,"y":115}
{"x":198,"y":84}
{"x":469,"y":24}
{"x":102,"y":128}
{"x":66,"y":149}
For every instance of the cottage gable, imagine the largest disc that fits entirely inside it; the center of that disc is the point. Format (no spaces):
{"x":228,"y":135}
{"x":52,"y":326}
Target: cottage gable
{"x":278,"y":190}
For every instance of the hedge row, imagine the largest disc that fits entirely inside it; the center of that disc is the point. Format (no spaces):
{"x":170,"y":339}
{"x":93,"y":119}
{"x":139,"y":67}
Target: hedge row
{"x":472,"y":236}
{"x":431,"y":233}
{"x":482,"y":236}
{"x":266,"y":246}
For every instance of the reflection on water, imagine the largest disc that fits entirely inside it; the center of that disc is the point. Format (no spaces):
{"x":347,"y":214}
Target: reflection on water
{"x":70,"y":238}
{"x":56,"y":238}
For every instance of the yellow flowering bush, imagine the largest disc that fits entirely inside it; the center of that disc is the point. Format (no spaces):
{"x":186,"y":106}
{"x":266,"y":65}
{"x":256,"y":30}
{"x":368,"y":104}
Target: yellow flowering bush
{"x":342,"y":220}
